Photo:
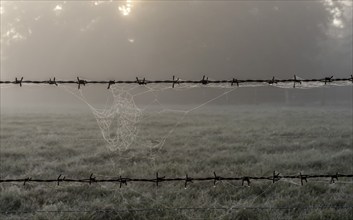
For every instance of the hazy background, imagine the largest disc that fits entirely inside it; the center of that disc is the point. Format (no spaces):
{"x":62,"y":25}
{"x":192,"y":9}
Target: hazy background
{"x":309,"y":134}
{"x":154,"y":39}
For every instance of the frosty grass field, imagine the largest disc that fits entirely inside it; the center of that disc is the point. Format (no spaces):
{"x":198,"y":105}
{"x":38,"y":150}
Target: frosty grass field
{"x":232,"y":141}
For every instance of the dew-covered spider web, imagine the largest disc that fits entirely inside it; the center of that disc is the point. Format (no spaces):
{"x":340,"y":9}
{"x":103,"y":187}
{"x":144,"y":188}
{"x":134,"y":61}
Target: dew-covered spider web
{"x":120,"y":120}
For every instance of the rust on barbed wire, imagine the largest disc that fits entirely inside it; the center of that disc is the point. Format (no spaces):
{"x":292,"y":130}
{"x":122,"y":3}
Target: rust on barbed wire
{"x":204,"y":81}
{"x":157,"y":180}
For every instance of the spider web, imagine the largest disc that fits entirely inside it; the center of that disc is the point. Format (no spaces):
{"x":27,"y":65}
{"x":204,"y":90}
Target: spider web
{"x":120,"y":121}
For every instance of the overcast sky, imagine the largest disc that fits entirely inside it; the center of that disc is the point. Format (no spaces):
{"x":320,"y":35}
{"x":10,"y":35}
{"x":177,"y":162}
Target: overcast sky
{"x":154,"y":39}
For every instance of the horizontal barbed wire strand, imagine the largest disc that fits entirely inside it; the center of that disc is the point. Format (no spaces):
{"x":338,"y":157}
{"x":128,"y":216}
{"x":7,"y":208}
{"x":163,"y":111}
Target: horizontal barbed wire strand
{"x":175,"y":81}
{"x":183,"y":209}
{"x":187,"y":179}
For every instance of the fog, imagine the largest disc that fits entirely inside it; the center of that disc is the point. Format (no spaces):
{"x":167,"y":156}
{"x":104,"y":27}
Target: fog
{"x":121,"y":40}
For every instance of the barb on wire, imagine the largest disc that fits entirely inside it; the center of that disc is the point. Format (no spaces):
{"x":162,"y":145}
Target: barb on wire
{"x":296,"y":81}
{"x":303,"y":178}
{"x":81,"y":82}
{"x":176,"y":81}
{"x":333,"y":178}
{"x":204,"y":80}
{"x":245,"y":179}
{"x":59,"y":180}
{"x":92,"y":179}
{"x":272,"y":81}
{"x":328,"y":79}
{"x":141,"y":81}
{"x":187,"y":179}
{"x":52,"y":82}
{"x":111,"y":82}
{"x":234,"y":81}
{"x":160,"y":179}
{"x":26,"y":180}
{"x":275,"y":177}
{"x":216,"y":178}
{"x":122,"y":181}
{"x":18,"y":81}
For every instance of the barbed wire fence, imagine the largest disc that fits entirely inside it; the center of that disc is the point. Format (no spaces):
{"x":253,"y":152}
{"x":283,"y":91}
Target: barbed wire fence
{"x":157,"y":180}
{"x":177,"y":81}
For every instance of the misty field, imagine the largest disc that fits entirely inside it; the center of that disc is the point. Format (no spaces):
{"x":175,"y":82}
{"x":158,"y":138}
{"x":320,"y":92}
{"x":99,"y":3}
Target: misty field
{"x":232,"y":141}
